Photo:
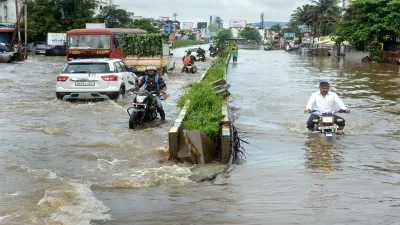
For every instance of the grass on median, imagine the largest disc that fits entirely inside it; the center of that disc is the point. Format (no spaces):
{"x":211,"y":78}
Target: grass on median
{"x":204,"y":109}
{"x":185,"y":43}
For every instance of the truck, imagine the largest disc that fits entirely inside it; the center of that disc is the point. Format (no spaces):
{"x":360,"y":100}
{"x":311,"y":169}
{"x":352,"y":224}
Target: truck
{"x":142,"y":50}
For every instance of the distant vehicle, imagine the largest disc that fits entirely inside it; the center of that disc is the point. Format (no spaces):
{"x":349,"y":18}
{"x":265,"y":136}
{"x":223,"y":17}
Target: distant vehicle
{"x":95,"y":79}
{"x":193,"y":50}
{"x":106,"y":43}
{"x":41,"y":49}
{"x":97,"y":42}
{"x":56,"y":51}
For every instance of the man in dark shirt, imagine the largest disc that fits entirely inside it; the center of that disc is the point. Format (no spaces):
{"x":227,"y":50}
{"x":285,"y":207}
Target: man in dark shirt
{"x":153,"y":82}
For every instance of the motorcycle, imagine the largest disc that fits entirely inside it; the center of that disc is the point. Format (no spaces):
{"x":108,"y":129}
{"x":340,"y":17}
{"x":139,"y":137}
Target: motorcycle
{"x":325,"y":125}
{"x":201,"y":57}
{"x":144,"y":108}
{"x":189,"y":68}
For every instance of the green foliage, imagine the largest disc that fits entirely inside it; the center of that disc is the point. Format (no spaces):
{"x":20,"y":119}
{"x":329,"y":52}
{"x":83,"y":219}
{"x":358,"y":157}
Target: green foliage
{"x":143,"y":44}
{"x":320,"y":17}
{"x":366,"y":20}
{"x":58,"y":16}
{"x":144,"y":24}
{"x":375,"y":51}
{"x":184,"y":43}
{"x":223,"y":39}
{"x":192,"y":36}
{"x":114,"y":17}
{"x":204,"y":108}
{"x":250,"y":33}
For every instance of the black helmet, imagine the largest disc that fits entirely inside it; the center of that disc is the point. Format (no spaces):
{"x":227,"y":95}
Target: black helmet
{"x":189,"y":52}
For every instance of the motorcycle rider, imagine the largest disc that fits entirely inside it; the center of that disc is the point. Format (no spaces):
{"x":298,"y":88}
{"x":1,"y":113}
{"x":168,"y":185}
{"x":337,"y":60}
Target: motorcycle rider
{"x":201,"y":52}
{"x":324,"y":101}
{"x":212,"y":49}
{"x":150,"y":83}
{"x":188,"y":58}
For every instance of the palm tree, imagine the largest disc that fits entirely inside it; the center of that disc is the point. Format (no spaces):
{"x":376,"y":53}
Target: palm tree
{"x":303,"y":15}
{"x":326,"y":12}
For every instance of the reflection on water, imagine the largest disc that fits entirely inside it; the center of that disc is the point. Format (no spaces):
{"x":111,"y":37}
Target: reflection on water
{"x":321,"y":154}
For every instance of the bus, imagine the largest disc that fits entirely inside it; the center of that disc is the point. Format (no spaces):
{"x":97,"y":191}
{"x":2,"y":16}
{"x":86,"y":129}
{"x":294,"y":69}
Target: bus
{"x":97,"y":42}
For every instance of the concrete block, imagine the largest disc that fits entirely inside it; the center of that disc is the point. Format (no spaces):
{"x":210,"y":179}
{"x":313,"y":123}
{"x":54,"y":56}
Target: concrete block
{"x":218,"y":82}
{"x":185,"y":149}
{"x":202,"y":146}
{"x":173,"y":142}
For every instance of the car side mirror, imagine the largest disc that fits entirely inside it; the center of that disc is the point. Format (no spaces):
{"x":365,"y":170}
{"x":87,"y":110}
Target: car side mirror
{"x":171,"y":54}
{"x":133,"y":69}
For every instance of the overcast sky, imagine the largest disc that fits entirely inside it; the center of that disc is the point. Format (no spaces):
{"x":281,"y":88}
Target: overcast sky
{"x":200,"y":11}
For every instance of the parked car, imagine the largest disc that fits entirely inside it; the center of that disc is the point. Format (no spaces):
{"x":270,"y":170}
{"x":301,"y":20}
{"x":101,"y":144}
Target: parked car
{"x":40,"y":48}
{"x":94,"y":79}
{"x":56,"y":51}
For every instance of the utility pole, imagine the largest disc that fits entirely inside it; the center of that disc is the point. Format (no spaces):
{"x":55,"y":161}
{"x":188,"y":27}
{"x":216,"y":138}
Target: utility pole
{"x":19,"y":31}
{"x":26,"y":28}
{"x":262,"y":21}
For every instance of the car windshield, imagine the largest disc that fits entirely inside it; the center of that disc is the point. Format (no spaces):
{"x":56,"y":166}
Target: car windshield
{"x":89,"y":41}
{"x":87,"y":67}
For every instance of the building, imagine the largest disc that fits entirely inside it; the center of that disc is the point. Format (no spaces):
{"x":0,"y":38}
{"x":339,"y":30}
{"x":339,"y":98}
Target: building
{"x":101,"y":4}
{"x":8,"y":19}
{"x":347,"y":3}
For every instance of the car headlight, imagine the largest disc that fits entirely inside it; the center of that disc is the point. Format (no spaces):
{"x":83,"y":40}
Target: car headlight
{"x":327,"y":119}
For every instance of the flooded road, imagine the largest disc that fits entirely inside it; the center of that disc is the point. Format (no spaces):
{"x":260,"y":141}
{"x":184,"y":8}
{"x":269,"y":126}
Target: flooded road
{"x":78,"y":163}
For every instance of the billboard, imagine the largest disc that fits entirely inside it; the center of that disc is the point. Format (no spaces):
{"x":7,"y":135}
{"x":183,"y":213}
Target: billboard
{"x":187,"y":26}
{"x":54,"y":39}
{"x":289,"y":35}
{"x":201,"y":25}
{"x":237,"y":24}
{"x":95,"y":25}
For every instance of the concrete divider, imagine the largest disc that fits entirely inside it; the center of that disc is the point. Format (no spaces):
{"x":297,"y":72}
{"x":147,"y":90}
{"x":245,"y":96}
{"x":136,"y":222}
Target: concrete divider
{"x":179,"y":144}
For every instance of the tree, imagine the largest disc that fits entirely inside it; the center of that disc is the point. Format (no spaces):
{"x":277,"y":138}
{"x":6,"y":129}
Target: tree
{"x":326,"y":12}
{"x":222,"y":39}
{"x":366,"y":20}
{"x":192,"y":36}
{"x":302,"y":15}
{"x":277,"y":29}
{"x":58,"y":16}
{"x":114,"y":17}
{"x":144,"y":24}
{"x":250,"y":33}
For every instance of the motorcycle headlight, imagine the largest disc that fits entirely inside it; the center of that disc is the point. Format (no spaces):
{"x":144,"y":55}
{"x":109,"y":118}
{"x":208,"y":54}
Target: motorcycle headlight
{"x":140,"y":99}
{"x":327,"y":119}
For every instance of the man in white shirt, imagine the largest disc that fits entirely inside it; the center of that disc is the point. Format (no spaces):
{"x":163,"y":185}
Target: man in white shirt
{"x":324,"y":101}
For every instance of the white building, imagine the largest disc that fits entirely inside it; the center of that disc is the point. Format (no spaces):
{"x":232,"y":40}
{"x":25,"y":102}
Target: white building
{"x":101,"y":4}
{"x":347,"y":3}
{"x":8,"y":12}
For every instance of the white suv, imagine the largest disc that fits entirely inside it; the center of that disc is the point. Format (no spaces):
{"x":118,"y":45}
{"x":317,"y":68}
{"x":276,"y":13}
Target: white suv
{"x":95,"y":79}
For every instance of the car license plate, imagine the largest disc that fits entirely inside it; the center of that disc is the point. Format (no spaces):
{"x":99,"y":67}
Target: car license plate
{"x":84,"y":83}
{"x":76,"y":52}
{"x":101,"y":52}
{"x":189,"y":67}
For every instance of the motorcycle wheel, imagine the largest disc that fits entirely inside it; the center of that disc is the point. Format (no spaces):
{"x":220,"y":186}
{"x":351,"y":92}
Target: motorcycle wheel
{"x":133,"y":120}
{"x":192,"y":70}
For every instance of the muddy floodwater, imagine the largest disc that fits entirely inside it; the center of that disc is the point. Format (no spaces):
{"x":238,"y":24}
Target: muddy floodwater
{"x":78,"y":163}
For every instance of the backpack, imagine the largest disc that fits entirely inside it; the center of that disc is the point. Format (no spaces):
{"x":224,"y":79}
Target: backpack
{"x":146,"y":78}
{"x":186,"y":60}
